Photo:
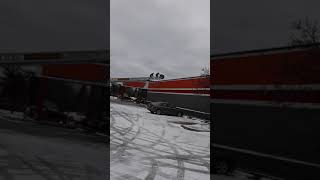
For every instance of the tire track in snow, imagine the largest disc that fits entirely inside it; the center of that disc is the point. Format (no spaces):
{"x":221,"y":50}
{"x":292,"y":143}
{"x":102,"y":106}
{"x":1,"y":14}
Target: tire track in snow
{"x":180,"y":168}
{"x":127,"y":129}
{"x":119,"y":130}
{"x":191,"y":154}
{"x":122,"y":147}
{"x":150,"y":141}
{"x":153,"y":171}
{"x":160,"y":139}
{"x":203,"y":161}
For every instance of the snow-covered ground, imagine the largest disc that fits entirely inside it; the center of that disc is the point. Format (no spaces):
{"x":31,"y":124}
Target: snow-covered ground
{"x":30,"y":151}
{"x":149,"y":146}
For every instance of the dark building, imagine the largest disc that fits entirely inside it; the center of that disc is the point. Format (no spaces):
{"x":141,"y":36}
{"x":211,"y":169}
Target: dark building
{"x":265,"y":108}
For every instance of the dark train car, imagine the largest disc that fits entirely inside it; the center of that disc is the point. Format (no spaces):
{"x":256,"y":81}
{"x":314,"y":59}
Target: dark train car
{"x":265,"y":109}
{"x":79,"y":85}
{"x":190,"y":94}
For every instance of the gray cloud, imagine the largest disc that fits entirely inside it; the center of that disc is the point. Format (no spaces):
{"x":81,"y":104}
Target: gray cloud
{"x":37,"y":25}
{"x":252,"y":24}
{"x":170,"y":37}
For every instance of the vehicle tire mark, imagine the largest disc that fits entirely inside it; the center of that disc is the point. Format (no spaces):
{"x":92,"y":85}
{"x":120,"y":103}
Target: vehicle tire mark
{"x":52,"y":168}
{"x":160,"y":139}
{"x":127,"y":130}
{"x":203,"y":161}
{"x":35,"y":169}
{"x":121,"y":149}
{"x":180,"y":169}
{"x":155,"y":139}
{"x":153,"y":171}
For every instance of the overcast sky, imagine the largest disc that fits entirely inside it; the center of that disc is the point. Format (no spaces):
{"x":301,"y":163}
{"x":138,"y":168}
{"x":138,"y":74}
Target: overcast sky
{"x":167,"y":36}
{"x":49,"y":25}
{"x":255,"y":24}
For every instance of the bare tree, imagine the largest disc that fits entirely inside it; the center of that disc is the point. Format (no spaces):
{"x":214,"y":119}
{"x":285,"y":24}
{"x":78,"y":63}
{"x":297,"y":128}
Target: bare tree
{"x":14,"y":85}
{"x":205,"y":71}
{"x":306,"y":31}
